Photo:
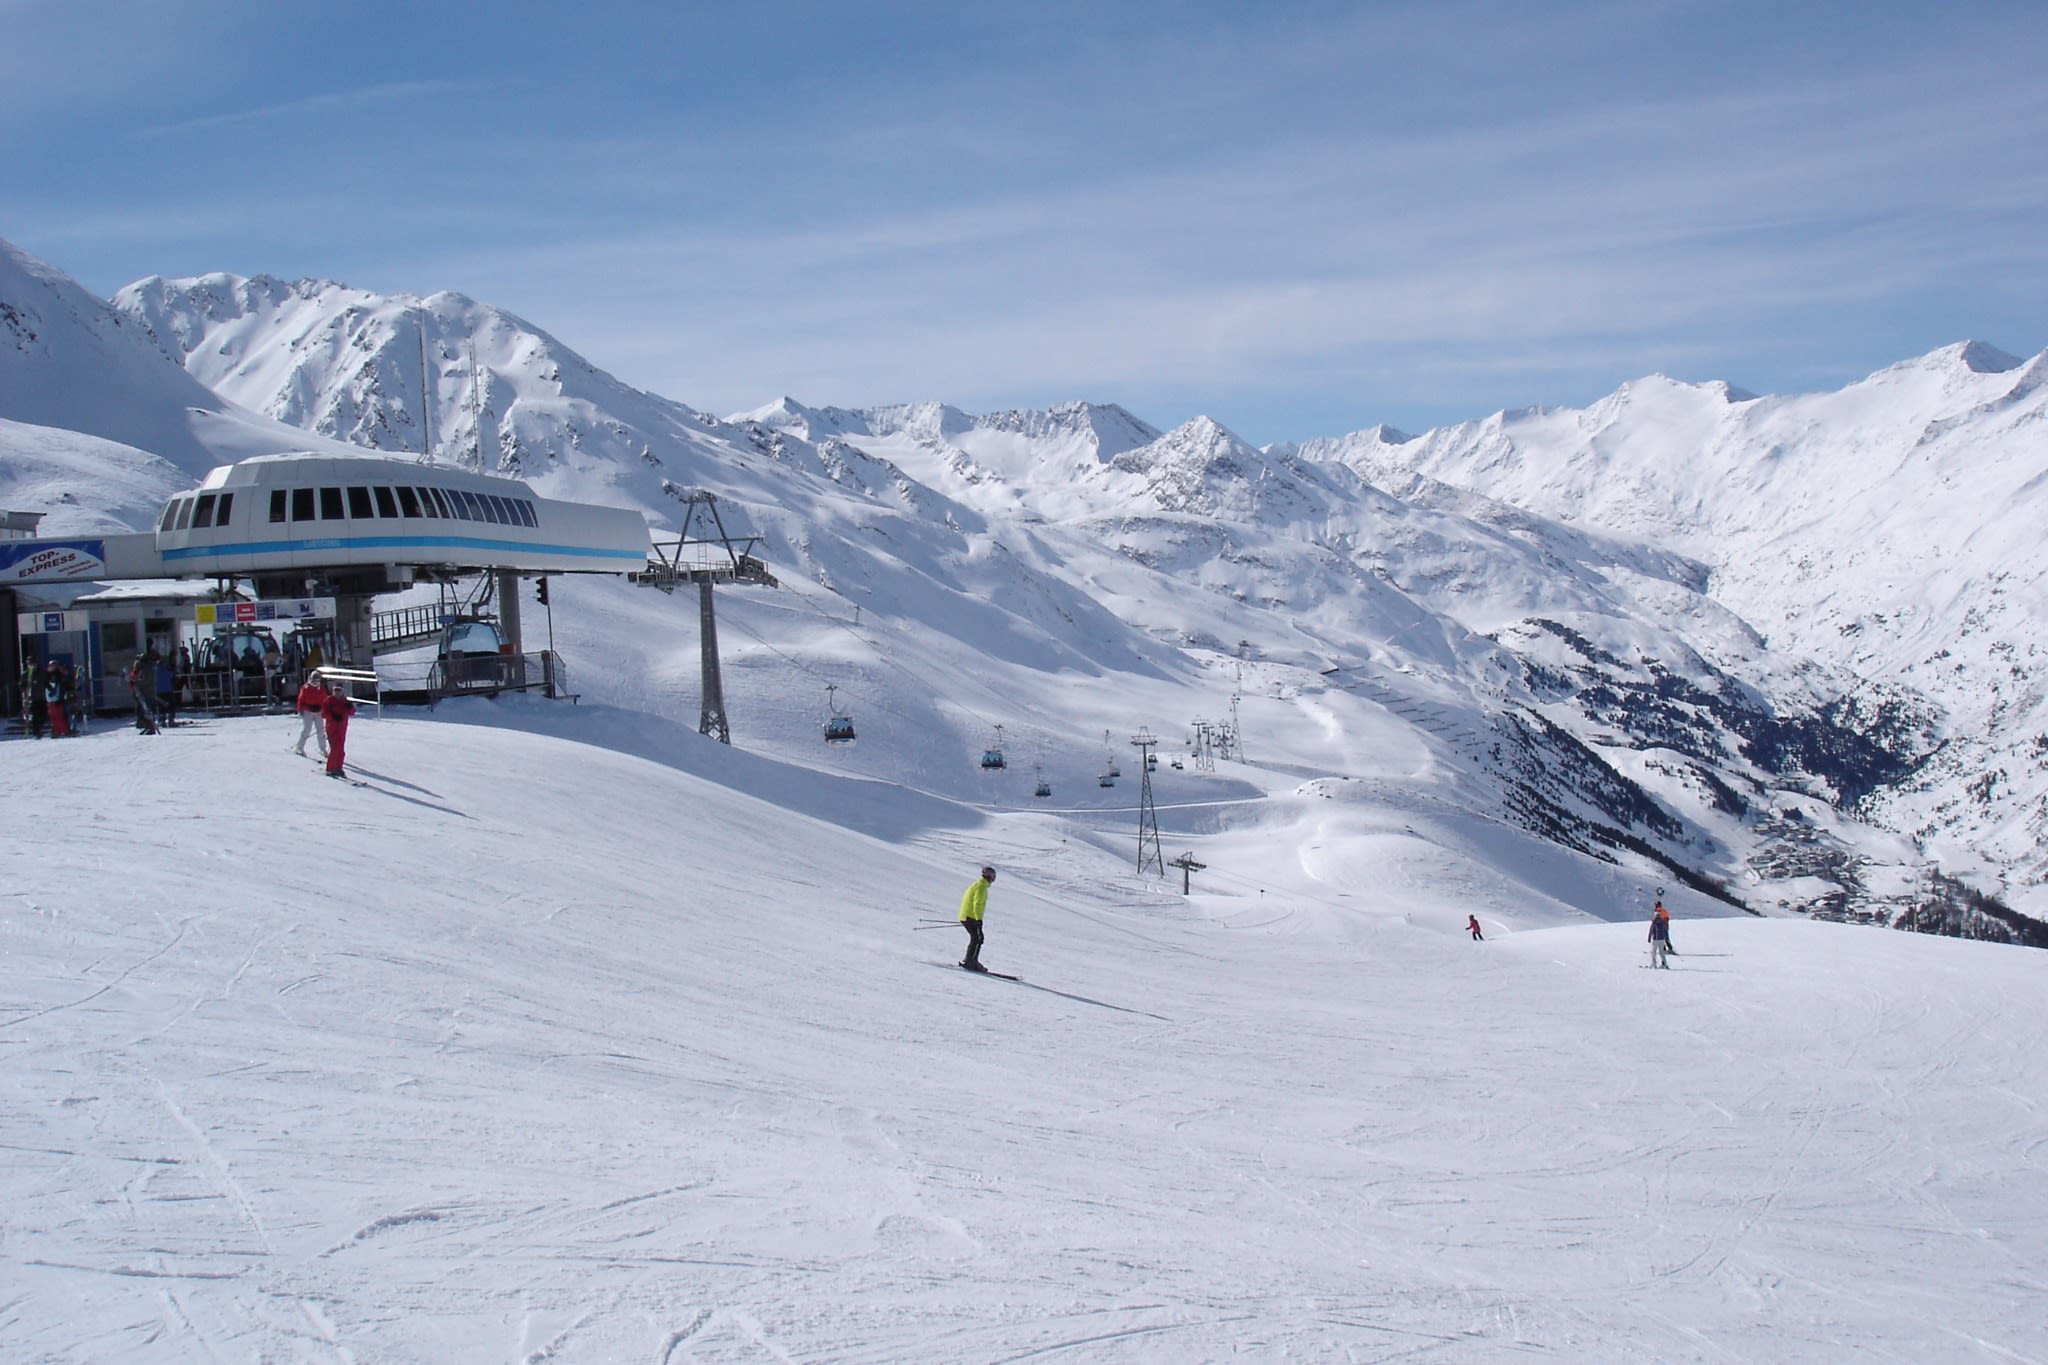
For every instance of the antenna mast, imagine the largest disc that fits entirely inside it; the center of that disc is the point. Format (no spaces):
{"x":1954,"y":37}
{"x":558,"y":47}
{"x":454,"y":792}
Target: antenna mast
{"x":426,"y":397}
{"x":476,"y":403}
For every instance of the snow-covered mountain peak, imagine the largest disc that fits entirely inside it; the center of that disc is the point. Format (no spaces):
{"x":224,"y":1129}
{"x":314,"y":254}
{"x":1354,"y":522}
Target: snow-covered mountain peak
{"x":1658,"y":398}
{"x":18,"y":267}
{"x":1356,"y":448}
{"x":930,"y":421}
{"x":1106,"y":429}
{"x":63,"y":352}
{"x":803,"y":420}
{"x":1658,"y":385}
{"x":1204,"y":468}
{"x":442,"y":373}
{"x":1198,"y":443}
{"x":1966,"y":369}
{"x":214,"y":296}
{"x":1385,"y":435}
{"x":1978,"y":357}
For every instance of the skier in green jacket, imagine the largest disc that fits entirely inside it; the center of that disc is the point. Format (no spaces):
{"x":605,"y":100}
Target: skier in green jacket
{"x":973,"y":902}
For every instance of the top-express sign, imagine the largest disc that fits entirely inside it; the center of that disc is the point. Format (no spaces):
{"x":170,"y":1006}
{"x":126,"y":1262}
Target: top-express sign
{"x":26,"y":561}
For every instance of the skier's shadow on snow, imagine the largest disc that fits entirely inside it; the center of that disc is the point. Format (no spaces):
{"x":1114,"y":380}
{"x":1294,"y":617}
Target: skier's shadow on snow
{"x":1099,"y":1004}
{"x":410,"y":800}
{"x":381,"y":777}
{"x":1067,"y":995}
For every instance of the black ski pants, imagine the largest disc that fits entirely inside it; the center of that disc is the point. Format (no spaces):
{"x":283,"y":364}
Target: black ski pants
{"x":973,"y":928}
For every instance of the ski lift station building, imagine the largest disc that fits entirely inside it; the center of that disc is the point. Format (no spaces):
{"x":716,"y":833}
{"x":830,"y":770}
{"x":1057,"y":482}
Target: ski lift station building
{"x":344,"y":527}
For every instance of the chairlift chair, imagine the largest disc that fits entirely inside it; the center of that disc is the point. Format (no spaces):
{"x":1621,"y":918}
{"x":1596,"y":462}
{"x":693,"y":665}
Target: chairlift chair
{"x":838,"y":725}
{"x":992,"y":760}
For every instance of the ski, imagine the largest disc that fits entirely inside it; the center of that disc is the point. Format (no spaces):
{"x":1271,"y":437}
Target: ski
{"x":984,"y":972}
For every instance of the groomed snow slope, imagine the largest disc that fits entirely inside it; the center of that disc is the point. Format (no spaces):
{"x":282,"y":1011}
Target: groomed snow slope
{"x":533,"y":1049}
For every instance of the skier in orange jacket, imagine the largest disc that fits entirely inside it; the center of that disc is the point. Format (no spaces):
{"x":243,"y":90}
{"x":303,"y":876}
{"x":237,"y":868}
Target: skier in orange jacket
{"x":1660,"y":936}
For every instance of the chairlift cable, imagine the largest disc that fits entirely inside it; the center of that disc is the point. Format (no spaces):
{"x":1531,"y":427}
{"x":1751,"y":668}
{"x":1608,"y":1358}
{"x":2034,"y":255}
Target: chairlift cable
{"x":881,"y":654}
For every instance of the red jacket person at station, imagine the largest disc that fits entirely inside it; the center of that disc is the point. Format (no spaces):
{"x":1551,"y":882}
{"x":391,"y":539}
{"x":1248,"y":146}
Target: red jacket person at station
{"x":312,"y":693}
{"x":335,"y":710}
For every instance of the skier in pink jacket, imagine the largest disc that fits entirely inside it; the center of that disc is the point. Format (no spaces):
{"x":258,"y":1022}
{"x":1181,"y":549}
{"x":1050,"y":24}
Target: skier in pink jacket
{"x":335,"y":711}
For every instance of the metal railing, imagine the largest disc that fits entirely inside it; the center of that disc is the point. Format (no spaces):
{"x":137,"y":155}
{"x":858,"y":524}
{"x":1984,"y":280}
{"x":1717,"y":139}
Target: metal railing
{"x":361,"y":685}
{"x":407,"y":626}
{"x":478,"y":675}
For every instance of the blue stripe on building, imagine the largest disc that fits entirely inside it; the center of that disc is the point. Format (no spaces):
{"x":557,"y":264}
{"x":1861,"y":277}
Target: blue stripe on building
{"x":423,"y":543}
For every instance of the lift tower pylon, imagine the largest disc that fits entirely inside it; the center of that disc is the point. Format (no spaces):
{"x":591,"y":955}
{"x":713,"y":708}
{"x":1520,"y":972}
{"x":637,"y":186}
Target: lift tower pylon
{"x":706,"y":560}
{"x":1148,"y":817}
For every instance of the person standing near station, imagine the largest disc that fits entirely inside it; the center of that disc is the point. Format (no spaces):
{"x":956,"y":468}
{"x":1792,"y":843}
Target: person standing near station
{"x":146,"y":682}
{"x":53,"y":701}
{"x":312,"y":693}
{"x":141,"y":680}
{"x":1660,"y":936}
{"x":973,"y":904}
{"x":335,"y":710}
{"x":168,"y":680}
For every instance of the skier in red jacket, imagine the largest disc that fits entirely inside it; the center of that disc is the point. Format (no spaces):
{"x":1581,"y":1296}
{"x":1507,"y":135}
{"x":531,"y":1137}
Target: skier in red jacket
{"x":335,"y":709}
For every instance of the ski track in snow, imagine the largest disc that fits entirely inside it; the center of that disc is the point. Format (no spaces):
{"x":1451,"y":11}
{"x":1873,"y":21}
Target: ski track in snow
{"x":615,"y":1063}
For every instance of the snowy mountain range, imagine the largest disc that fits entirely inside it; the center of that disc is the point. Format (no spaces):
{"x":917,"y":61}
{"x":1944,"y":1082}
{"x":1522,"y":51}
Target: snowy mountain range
{"x":1887,"y":533}
{"x":1778,"y":648}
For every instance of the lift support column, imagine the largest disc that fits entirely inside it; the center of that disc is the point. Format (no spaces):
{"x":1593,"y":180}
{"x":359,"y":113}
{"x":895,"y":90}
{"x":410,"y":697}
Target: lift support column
{"x":730,"y":563}
{"x":711,"y":721}
{"x":352,"y":625}
{"x":508,"y":627}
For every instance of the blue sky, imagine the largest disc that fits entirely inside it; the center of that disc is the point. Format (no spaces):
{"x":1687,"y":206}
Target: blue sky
{"x":1298,"y":218}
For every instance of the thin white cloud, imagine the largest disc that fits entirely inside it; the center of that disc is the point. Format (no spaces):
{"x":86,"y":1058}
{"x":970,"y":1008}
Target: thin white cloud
{"x":313,"y":106}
